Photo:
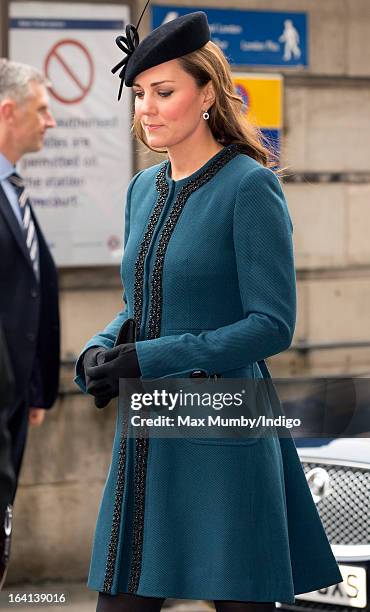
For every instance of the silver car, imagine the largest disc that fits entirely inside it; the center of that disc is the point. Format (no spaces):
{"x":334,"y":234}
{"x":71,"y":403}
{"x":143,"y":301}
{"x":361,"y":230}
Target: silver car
{"x":338,"y":473}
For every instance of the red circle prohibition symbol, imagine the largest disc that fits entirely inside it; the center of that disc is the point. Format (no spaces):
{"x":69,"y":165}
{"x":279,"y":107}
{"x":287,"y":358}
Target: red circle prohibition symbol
{"x":54,"y":54}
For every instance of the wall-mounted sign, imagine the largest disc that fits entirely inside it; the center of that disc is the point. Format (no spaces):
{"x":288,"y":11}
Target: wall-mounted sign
{"x":251,"y":38}
{"x":262,"y":95}
{"x":78,"y":180}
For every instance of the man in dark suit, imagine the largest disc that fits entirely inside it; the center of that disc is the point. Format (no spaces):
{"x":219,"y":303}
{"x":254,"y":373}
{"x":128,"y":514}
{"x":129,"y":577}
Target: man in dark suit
{"x":28,"y":278}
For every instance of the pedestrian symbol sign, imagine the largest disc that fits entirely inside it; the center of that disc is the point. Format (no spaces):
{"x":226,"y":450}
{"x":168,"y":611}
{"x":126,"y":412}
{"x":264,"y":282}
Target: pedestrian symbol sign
{"x":251,"y":38}
{"x":290,"y":38}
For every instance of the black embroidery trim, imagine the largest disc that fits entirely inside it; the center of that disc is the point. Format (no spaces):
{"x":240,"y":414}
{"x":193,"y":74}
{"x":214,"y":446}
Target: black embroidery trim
{"x":155,"y":314}
{"x":140,"y":451}
{"x":142,"y":441}
{"x":162,"y":188}
{"x":141,"y":459}
{"x":116,"y":521}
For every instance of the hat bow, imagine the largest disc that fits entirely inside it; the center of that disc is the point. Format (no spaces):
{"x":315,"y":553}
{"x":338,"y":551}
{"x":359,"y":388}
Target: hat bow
{"x":127,"y":44}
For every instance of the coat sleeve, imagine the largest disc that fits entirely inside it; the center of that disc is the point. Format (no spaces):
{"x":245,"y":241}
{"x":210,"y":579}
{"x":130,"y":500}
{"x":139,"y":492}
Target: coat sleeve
{"x":262,"y":231}
{"x":106,"y":338}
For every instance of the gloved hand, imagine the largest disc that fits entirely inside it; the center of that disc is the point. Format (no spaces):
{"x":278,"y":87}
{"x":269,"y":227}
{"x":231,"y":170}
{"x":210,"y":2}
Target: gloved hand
{"x":93,"y":357}
{"x":90,"y":359}
{"x":119,"y":362}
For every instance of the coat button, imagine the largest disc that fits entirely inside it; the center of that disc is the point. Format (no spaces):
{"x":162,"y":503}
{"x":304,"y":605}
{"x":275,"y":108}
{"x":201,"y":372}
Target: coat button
{"x":34,"y":293}
{"x":199,"y":374}
{"x":31,"y":337}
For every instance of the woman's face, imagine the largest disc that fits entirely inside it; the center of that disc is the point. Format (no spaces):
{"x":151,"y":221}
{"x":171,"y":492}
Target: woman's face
{"x":169,"y":105}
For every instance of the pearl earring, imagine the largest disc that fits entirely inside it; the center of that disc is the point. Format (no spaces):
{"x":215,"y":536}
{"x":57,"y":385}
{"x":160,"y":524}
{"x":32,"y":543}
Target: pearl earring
{"x":206,"y":115}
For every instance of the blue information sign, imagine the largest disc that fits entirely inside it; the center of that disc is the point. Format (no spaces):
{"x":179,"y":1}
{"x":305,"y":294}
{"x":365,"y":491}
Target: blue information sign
{"x":250,"y":38}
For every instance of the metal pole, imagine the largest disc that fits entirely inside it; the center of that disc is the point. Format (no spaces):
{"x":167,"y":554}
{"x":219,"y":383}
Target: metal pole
{"x":4,"y":27}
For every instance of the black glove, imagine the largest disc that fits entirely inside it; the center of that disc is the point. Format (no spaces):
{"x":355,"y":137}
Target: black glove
{"x":90,"y":359}
{"x":93,"y":357}
{"x":119,"y":362}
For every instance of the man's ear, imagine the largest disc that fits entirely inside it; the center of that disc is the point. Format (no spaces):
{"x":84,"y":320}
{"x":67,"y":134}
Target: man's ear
{"x":7,"y":109}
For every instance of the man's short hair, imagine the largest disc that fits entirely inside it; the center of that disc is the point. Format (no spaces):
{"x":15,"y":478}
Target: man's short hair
{"x":15,"y":79}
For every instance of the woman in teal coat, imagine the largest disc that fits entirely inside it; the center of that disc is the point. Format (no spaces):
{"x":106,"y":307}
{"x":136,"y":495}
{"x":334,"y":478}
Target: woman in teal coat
{"x":209,"y":282}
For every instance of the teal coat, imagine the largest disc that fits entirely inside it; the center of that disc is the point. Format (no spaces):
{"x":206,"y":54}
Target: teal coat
{"x":209,"y":278}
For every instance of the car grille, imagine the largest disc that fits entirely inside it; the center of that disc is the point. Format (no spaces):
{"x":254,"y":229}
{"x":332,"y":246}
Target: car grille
{"x":345,"y":511}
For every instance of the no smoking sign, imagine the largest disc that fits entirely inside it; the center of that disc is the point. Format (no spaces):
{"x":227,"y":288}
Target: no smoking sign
{"x":70,"y":68}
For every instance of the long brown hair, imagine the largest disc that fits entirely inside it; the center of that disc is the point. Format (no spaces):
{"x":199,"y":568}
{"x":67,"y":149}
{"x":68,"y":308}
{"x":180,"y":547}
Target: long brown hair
{"x":227,"y":122}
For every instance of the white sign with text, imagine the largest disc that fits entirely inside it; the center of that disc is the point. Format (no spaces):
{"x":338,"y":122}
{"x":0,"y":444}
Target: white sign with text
{"x":79,"y":179}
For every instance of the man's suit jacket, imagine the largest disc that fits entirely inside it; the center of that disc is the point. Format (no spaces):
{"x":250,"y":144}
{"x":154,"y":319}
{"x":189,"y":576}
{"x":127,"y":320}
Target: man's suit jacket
{"x":28,"y":309}
{"x":7,"y":477}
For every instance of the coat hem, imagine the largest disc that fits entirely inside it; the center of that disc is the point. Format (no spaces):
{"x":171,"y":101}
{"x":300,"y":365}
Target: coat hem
{"x":247,"y":596}
{"x":196,"y":595}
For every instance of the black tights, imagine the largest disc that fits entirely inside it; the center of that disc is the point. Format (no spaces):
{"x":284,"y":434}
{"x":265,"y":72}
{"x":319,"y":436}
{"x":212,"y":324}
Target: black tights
{"x":123,"y":602}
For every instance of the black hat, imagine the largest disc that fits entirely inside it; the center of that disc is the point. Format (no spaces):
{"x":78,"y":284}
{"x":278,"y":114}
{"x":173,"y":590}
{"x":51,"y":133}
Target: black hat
{"x":169,"y":41}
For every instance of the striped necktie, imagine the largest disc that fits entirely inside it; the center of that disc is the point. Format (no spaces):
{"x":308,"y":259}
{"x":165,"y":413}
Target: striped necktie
{"x":29,"y":226}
